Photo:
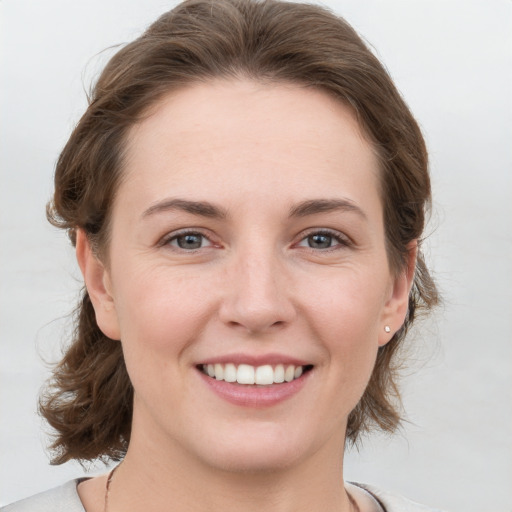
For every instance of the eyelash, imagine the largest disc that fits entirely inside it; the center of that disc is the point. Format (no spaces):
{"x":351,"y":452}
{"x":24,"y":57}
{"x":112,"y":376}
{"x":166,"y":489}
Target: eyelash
{"x":341,"y":240}
{"x":167,"y":240}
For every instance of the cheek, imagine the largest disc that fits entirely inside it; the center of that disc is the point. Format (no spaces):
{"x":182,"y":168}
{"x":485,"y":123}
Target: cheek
{"x":159,"y":318}
{"x":161,"y":310}
{"x":346,"y":316}
{"x":347,"y":304}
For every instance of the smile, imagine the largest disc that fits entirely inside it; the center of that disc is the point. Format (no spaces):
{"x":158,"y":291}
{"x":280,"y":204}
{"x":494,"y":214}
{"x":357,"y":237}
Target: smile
{"x":264,"y":375}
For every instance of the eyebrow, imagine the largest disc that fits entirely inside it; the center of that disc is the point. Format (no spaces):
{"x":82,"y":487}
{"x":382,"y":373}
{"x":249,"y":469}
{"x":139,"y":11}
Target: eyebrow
{"x":202,"y":208}
{"x":314,"y":206}
{"x":209,"y":210}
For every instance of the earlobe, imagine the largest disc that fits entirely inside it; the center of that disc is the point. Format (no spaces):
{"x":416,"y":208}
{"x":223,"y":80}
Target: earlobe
{"x":97,"y":282}
{"x":397,"y":305}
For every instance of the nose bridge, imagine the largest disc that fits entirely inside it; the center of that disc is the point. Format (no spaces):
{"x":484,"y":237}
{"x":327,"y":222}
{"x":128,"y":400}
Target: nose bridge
{"x":257,"y":297}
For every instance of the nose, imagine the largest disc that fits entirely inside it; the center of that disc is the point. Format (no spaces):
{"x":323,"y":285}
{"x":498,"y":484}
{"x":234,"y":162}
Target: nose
{"x":257,"y":295}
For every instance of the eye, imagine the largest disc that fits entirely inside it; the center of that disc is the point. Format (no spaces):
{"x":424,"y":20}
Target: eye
{"x":323,"y":240}
{"x":188,"y":241}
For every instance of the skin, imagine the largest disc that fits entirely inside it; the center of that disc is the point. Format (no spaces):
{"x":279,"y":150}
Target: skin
{"x":257,"y":284}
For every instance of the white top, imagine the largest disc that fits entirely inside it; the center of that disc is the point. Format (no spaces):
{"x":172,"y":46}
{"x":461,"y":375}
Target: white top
{"x":65,"y":499}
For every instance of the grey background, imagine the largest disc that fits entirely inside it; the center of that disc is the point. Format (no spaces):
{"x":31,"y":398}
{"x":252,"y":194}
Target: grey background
{"x":452,"y":61}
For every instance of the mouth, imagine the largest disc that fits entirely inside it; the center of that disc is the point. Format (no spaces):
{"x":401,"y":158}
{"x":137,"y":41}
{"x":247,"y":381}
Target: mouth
{"x":248,"y":375}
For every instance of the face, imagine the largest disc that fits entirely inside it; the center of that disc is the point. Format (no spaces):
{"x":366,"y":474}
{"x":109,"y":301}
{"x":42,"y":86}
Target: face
{"x":247,"y":243}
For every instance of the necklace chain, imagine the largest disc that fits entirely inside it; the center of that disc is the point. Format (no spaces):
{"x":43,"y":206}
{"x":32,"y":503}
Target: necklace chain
{"x":107,"y":487}
{"x":353,"y":504}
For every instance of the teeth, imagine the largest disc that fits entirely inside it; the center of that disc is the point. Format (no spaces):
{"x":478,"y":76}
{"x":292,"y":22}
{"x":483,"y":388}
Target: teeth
{"x":246,"y":374}
{"x":264,"y":375}
{"x":230,"y":373}
{"x":279,"y":374}
{"x":219,"y":372}
{"x":289,"y":373}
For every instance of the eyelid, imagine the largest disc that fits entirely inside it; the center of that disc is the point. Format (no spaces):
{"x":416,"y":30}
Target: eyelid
{"x":342,"y":239}
{"x":164,"y":241}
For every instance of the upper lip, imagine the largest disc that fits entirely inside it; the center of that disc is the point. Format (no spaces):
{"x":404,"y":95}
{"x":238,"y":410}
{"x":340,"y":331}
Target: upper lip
{"x":255,"y":360}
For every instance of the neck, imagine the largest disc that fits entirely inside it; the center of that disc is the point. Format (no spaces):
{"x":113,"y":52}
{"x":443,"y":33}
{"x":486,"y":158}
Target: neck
{"x":151,"y":478}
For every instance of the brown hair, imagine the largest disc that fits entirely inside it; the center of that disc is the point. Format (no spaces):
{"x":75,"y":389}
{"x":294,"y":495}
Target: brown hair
{"x":89,"y":400}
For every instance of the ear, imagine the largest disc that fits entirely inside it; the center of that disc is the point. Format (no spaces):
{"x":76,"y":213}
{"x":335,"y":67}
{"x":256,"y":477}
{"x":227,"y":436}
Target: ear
{"x":397,"y":304}
{"x":98,"y":284}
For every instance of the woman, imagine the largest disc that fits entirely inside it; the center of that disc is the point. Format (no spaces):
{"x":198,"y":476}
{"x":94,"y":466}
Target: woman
{"x":246,"y":194}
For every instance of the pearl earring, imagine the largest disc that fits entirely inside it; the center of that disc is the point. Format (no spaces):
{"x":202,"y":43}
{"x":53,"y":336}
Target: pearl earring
{"x":387,"y":328}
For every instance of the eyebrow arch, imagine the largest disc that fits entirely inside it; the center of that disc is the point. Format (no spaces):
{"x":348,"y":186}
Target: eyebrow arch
{"x":202,"y":208}
{"x":313,"y":206}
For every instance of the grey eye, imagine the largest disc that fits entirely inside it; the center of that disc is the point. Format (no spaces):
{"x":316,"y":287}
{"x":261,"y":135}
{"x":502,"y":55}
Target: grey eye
{"x":189,"y":241}
{"x":319,"y":241}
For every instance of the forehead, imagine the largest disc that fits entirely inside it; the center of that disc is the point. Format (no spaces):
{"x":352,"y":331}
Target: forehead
{"x":251,"y":136}
{"x":214,"y":108}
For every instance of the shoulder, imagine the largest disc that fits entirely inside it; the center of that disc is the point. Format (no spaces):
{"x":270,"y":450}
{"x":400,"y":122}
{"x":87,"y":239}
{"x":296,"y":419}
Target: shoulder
{"x":60,"y":499}
{"x":392,"y":502}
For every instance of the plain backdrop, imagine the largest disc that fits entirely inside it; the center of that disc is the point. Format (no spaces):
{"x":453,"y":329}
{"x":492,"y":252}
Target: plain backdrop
{"x":452,"y":61}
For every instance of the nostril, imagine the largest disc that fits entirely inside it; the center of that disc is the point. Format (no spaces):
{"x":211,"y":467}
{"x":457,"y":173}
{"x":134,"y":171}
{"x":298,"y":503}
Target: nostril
{"x":255,"y":327}
{"x":256,"y":306}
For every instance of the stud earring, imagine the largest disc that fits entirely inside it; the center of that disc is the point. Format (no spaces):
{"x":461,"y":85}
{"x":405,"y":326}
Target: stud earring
{"x":387,"y":328}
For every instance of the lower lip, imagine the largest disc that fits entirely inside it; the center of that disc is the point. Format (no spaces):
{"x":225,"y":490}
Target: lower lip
{"x":255,"y":396}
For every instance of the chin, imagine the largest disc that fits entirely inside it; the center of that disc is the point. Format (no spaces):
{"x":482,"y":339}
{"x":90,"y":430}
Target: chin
{"x":254,"y":460}
{"x":261,"y":449}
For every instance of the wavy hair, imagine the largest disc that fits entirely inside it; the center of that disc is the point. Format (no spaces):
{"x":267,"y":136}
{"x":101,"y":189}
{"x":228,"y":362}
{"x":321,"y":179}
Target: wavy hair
{"x":88,"y":401}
